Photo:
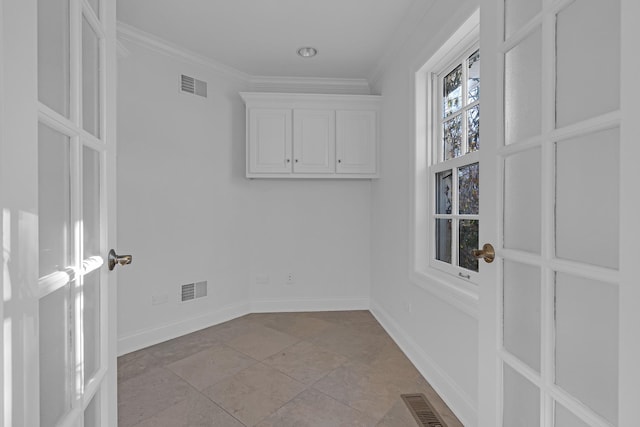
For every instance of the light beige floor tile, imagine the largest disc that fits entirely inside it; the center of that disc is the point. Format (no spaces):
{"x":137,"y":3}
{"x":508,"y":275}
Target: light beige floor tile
{"x":195,"y":411}
{"x":314,"y":409}
{"x":210,"y":366}
{"x":297,"y":324}
{"x":179,"y":348}
{"x":343,"y":340}
{"x":344,"y":317}
{"x":261,"y":342}
{"x":147,"y":394}
{"x":398,"y":416}
{"x":136,"y":363}
{"x":254,"y":393}
{"x":305,"y":362}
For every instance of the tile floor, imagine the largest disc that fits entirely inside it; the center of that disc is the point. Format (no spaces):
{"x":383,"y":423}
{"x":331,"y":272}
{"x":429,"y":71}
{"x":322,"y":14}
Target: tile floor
{"x":275,"y":369}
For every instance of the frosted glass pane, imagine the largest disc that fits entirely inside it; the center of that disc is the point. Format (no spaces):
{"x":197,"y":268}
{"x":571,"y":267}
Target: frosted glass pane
{"x":521,"y":400}
{"x":90,"y":80}
{"x":522,"y":86}
{"x":92,"y":413}
{"x":587,"y":198}
{"x":588,"y":60}
{"x":95,"y":5}
{"x":586,"y":315}
{"x":522,"y":197}
{"x":91,"y":324}
{"x":564,"y":418}
{"x":519,"y":12}
{"x":55,"y":364}
{"x":443,"y":240}
{"x":91,"y":201}
{"x":521,"y":321}
{"x":53,"y":54}
{"x":54,"y":230}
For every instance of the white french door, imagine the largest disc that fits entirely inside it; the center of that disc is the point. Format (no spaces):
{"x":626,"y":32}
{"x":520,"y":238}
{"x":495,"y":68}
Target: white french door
{"x":58,"y":159}
{"x":551,"y":316}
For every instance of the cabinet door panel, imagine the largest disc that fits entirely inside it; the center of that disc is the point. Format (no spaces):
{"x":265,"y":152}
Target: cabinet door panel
{"x":314,"y":141}
{"x":356,"y":144}
{"x":269,"y":141}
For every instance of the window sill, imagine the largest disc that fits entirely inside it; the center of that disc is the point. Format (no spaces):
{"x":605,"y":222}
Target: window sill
{"x":459,"y":293}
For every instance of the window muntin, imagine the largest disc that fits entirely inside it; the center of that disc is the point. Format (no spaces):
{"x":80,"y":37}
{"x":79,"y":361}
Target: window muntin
{"x":455,"y":170}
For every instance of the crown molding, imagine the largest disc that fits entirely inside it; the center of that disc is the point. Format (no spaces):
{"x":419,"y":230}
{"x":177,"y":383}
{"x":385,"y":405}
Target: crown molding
{"x":150,"y":41}
{"x":132,"y":34}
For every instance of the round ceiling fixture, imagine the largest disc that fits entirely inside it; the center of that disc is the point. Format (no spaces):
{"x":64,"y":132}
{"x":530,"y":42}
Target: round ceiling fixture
{"x":307,"y":52}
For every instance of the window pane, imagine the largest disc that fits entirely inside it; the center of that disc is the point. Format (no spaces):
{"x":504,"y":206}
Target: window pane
{"x":443,"y":192}
{"x":91,"y":324}
{"x":473,"y":128}
{"x":95,"y":5}
{"x":468,"y":241}
{"x":452,"y":86}
{"x":91,"y":201}
{"x":90,"y":80}
{"x":469,"y":189}
{"x":452,"y":138}
{"x":53,"y":54}
{"x":521,"y":406}
{"x":443,"y":240}
{"x":473,"y":79}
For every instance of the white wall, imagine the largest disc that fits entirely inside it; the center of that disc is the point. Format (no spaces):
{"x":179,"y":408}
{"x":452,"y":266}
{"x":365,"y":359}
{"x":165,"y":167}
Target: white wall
{"x":187,"y":213}
{"x":440,"y":339}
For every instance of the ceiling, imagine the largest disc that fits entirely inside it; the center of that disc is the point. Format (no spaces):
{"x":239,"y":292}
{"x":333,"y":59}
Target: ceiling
{"x":261,"y":37}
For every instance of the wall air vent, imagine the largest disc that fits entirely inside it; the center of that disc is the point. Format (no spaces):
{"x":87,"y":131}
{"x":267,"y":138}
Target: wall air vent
{"x":193,"y":86}
{"x":194,"y":290}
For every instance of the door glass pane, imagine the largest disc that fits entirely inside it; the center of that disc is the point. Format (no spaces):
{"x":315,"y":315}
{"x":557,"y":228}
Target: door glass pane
{"x":91,"y":324}
{"x":565,"y":418}
{"x":588,"y":60}
{"x":443,"y":240}
{"x":521,"y":400}
{"x":95,"y":5}
{"x":54,"y":209}
{"x":55,"y":363}
{"x":473,"y":77}
{"x":473,"y":128}
{"x":469,"y":186}
{"x":587,"y":198}
{"x":519,"y":12}
{"x":444,"y":188}
{"x":90,"y":79}
{"x":522,"y":89}
{"x":586,"y":313}
{"x":92,"y":413}
{"x":91,"y":201}
{"x":452,"y":137}
{"x":468,"y":241}
{"x":522,"y":196}
{"x":53,"y":54}
{"x":521,"y":312}
{"x":452,"y":96}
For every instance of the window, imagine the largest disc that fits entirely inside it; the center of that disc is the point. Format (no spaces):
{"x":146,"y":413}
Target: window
{"x":455,"y":171}
{"x":445,"y":199}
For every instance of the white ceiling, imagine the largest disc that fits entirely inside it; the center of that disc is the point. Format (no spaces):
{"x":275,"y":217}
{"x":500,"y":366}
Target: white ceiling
{"x":261,"y":37}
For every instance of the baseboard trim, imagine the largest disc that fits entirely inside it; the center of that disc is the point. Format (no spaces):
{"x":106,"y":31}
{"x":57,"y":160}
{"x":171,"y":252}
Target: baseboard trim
{"x":146,"y":337}
{"x":457,"y":399}
{"x":308,"y":304}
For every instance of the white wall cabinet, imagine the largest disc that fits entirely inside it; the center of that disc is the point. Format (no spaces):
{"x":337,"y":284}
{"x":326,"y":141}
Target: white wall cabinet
{"x":312,"y":135}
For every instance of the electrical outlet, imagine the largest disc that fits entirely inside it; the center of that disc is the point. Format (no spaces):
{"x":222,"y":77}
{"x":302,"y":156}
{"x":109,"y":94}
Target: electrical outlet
{"x":290,"y":279}
{"x":159,"y":299}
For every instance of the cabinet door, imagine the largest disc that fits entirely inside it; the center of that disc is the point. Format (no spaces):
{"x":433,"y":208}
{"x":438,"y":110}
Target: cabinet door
{"x":269,"y":142}
{"x":314,"y":141}
{"x":356,"y":142}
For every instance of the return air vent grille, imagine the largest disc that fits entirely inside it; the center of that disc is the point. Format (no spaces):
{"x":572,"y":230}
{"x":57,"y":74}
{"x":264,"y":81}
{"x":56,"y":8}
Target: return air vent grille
{"x":194,"y":290}
{"x":422,"y":410}
{"x":193,"y":86}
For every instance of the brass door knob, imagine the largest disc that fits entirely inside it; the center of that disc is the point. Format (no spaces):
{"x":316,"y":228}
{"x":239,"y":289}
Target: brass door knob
{"x":118,"y":259}
{"x":487,"y":253}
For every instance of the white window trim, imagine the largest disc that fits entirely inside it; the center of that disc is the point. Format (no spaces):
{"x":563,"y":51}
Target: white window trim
{"x":458,"y":292}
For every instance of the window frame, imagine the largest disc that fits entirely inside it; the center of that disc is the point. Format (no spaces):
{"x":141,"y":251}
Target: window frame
{"x":460,"y":292}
